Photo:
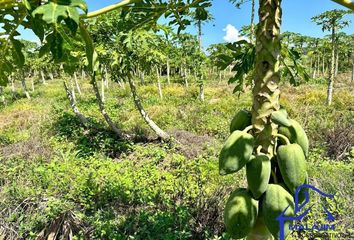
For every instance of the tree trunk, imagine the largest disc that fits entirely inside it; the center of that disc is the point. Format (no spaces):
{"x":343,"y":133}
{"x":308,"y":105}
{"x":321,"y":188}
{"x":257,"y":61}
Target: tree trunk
{"x":252,"y":20}
{"x":2,"y":97}
{"x":43,"y":78}
{"x":83,"y":74}
{"x":77,"y":84}
{"x":159,"y":132}
{"x":84,"y":121}
{"x":332,"y":71}
{"x":32,"y":84}
{"x":159,"y":83}
{"x":185,"y":76}
{"x":102,"y":89}
{"x":24,"y":87}
{"x":101,"y":105}
{"x":266,"y":90}
{"x":201,"y":92}
{"x":142,"y":77}
{"x":168,"y":72}
{"x":352,"y":73}
{"x":337,"y":62}
{"x":13,"y":88}
{"x":200,"y":34}
{"x":323,"y":65}
{"x":51,"y":76}
{"x":105,"y":77}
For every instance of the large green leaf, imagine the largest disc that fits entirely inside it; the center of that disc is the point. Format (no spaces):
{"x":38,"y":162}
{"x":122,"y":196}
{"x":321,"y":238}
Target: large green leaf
{"x":55,"y":11}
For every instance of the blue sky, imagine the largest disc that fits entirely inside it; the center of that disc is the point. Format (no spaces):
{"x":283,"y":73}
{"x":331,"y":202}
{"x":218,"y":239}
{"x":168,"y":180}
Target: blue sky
{"x":296,"y":17}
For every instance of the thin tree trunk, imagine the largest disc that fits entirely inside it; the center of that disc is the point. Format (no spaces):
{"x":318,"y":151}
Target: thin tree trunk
{"x":352,"y":80}
{"x":13,"y":88}
{"x":159,"y":132}
{"x":201,"y":92}
{"x":51,"y":76}
{"x":101,"y":105}
{"x":323,"y":65}
{"x":337,"y":62}
{"x":24,"y":87}
{"x":142,"y":77}
{"x":105,"y":77}
{"x":2,"y":97}
{"x":77,"y":84}
{"x":159,"y":83}
{"x":332,"y":71}
{"x":252,"y":20}
{"x":43,"y":78}
{"x":32,"y":84}
{"x":185,"y":76}
{"x":168,"y":72}
{"x":83,"y":74}
{"x":102,"y":89}
{"x":84,"y":121}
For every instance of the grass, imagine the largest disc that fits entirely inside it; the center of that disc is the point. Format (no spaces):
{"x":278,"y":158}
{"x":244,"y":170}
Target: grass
{"x":57,"y":176}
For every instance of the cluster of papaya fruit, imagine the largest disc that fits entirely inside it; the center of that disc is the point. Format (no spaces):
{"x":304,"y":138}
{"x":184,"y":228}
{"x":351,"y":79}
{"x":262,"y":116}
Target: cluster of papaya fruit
{"x":272,"y":178}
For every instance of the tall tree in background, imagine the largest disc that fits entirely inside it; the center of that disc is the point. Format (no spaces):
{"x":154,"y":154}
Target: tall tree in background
{"x":332,"y":21}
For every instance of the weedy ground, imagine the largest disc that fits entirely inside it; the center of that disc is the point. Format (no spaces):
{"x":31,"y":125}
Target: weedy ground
{"x":56,"y":177}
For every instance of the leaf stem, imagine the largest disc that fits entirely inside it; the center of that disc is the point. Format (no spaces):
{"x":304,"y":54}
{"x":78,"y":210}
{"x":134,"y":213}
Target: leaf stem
{"x":109,"y":8}
{"x":283,"y":137}
{"x":346,"y":3}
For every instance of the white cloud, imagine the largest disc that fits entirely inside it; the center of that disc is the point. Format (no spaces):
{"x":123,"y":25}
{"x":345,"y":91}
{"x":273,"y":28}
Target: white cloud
{"x":232,"y":34}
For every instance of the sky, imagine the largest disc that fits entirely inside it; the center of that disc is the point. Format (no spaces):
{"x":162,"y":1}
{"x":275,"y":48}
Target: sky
{"x":228,"y":19}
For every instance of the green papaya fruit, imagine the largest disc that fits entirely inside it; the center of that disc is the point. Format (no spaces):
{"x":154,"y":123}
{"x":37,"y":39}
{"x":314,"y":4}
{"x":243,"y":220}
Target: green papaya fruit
{"x":240,"y":213}
{"x":283,"y":110}
{"x":236,"y":152}
{"x":276,"y":199}
{"x":303,"y":191}
{"x":258,"y":174}
{"x":259,"y":231}
{"x":280,"y":118}
{"x":241,"y":120}
{"x":296,"y":134}
{"x":292,"y":165}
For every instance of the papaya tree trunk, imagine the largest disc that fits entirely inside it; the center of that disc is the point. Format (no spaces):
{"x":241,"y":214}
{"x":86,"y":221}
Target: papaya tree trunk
{"x":84,"y":121}
{"x":24,"y":87}
{"x":266,"y":90}
{"x":105,"y":77}
{"x":142,"y":77}
{"x":77,"y":84}
{"x":51,"y":76}
{"x":13,"y":87}
{"x":332,"y":71}
{"x":102,"y":89}
{"x":159,"y":132}
{"x":185,"y":76}
{"x":32,"y":84}
{"x":159,"y":83}
{"x":201,"y":92}
{"x":101,"y":105}
{"x":337,"y":62}
{"x":168,"y":72}
{"x":43,"y":78}
{"x":2,"y":97}
{"x":252,"y":19}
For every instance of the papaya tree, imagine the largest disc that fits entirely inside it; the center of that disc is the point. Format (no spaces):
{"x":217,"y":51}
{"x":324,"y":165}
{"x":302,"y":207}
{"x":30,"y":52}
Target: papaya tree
{"x":332,"y":21}
{"x":265,"y":140}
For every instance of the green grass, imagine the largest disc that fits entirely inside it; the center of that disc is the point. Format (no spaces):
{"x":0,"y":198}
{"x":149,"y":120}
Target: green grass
{"x":53,"y":169}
